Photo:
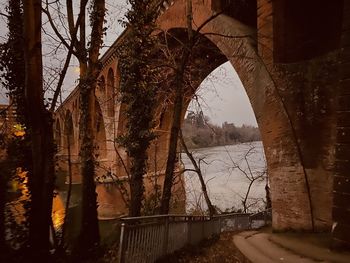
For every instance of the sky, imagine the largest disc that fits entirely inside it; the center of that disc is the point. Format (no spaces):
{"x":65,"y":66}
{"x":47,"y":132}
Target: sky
{"x":223,"y":98}
{"x":222,"y":95}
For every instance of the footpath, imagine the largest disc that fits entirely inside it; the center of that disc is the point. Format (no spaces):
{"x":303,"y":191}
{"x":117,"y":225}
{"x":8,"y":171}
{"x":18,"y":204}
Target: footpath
{"x":266,"y":247}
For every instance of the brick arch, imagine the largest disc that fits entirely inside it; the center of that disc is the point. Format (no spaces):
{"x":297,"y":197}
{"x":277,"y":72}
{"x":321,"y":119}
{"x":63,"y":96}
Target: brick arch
{"x":100,"y":132}
{"x":58,"y":135}
{"x":122,"y":158}
{"x":110,"y":92}
{"x":100,"y":91}
{"x":280,"y":143}
{"x":69,"y":137}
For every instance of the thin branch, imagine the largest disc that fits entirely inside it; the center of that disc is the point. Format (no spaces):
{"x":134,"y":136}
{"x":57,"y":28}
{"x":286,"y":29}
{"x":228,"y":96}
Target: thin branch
{"x":2,"y":14}
{"x":54,"y":28}
{"x":207,"y":21}
{"x":228,"y":36}
{"x":67,"y":62}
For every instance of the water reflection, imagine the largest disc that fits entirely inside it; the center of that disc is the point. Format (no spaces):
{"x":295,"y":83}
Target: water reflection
{"x":58,"y":211}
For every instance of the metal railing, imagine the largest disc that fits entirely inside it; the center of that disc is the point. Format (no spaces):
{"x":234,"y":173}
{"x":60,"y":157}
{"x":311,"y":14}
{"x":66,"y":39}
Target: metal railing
{"x":234,"y":221}
{"x":148,"y":238}
{"x":260,"y":219}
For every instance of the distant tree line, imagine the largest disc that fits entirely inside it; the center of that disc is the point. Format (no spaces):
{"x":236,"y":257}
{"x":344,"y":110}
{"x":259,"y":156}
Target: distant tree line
{"x":199,"y":132}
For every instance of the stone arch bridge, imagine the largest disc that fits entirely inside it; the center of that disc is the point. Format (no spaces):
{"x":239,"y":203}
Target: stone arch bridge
{"x":293,"y":58}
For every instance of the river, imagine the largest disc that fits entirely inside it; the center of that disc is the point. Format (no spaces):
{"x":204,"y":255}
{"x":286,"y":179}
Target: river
{"x":226,"y":184}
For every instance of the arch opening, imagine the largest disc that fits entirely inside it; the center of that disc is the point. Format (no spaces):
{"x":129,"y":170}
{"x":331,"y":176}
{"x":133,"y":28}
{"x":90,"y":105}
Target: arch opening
{"x":204,"y":59}
{"x":57,"y":136}
{"x":100,"y":133}
{"x":69,"y":142}
{"x":227,"y":144}
{"x":110,"y":93}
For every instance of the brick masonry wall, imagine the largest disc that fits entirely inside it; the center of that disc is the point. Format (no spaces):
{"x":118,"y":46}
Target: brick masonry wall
{"x":301,"y":178}
{"x":307,"y":91}
{"x":341,"y":186}
{"x":290,"y":202}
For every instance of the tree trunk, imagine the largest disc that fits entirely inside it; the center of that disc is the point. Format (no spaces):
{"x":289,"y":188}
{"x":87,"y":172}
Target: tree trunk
{"x":40,"y":125}
{"x":138,"y":90}
{"x":3,"y":191}
{"x":89,"y":233}
{"x":211,"y":208}
{"x":178,"y":85}
{"x":174,"y":134}
{"x":136,"y":186}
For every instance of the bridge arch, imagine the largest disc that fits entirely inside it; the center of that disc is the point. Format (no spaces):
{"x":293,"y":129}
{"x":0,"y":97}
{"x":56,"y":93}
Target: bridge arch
{"x":110,"y":91}
{"x":69,"y":141}
{"x":237,"y":42}
{"x":58,"y":135}
{"x":101,"y":89}
{"x":100,"y":132}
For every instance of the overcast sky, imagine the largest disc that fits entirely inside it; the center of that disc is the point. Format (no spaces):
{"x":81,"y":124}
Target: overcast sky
{"x":222,"y":94}
{"x":223,"y":98}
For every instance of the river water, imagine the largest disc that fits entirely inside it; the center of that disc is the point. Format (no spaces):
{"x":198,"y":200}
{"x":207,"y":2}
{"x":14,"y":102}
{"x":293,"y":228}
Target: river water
{"x":226,"y":183}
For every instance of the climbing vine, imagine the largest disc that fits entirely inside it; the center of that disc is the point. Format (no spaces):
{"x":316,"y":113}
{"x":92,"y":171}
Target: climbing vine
{"x":138,"y":92}
{"x":17,"y":146}
{"x":12,"y":58}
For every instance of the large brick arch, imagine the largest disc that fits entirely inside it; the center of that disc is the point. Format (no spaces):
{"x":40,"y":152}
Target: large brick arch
{"x":285,"y":164}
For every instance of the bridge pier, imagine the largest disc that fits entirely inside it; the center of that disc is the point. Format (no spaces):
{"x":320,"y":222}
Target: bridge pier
{"x":341,"y":185}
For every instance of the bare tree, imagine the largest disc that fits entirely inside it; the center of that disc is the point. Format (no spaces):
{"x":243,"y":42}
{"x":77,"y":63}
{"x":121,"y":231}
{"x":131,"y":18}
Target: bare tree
{"x":197,"y":169}
{"x":41,"y":181}
{"x":89,"y":70}
{"x":250,"y":174}
{"x":87,"y":56}
{"x":178,"y":86}
{"x":181,"y":81}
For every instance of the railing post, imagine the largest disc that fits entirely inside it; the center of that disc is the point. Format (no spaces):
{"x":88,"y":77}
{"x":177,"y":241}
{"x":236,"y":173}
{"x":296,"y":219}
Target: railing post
{"x":203,"y":233}
{"x":121,"y":244}
{"x":166,"y":236}
{"x":189,"y":229}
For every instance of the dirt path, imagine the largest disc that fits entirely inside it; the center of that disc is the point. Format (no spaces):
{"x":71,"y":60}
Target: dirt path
{"x":220,"y":250}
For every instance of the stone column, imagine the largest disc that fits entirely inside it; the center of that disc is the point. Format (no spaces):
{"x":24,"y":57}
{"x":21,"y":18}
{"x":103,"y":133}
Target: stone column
{"x":341,"y":186}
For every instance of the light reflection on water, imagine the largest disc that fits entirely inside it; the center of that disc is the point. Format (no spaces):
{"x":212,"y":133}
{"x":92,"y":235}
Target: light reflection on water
{"x":58,"y":212}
